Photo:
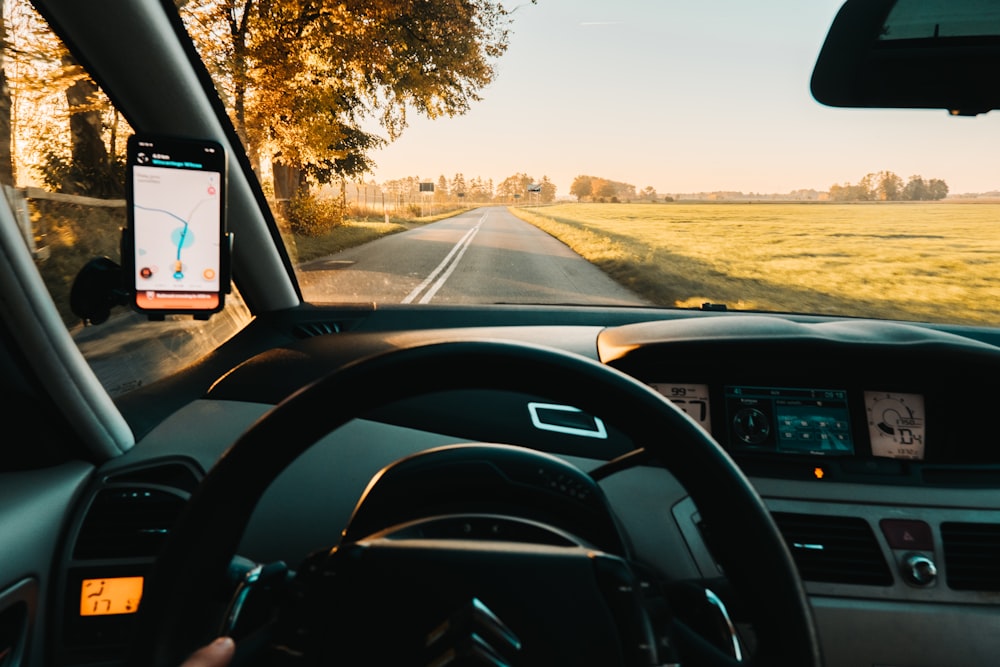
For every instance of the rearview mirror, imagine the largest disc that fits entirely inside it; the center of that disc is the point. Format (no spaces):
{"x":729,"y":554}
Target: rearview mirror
{"x":912,"y":54}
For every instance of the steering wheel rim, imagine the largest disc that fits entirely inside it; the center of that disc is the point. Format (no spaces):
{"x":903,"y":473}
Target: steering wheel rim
{"x":197,"y":554}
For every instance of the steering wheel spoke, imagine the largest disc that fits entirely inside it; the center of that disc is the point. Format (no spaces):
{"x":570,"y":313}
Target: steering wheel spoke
{"x":418,"y":601}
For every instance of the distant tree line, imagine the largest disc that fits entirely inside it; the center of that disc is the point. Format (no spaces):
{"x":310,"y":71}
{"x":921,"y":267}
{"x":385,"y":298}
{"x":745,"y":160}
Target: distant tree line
{"x":521,"y":188}
{"x":887,"y":186}
{"x":597,"y":189}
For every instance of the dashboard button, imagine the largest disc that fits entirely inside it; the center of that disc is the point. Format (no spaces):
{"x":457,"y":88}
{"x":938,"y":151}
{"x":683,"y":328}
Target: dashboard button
{"x":907,"y":534}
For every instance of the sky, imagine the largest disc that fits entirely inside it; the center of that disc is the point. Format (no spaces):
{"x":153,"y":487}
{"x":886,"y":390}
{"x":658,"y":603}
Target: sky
{"x":683,"y":96}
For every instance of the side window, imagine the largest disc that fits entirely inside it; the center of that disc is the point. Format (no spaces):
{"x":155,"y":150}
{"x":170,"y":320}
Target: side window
{"x":62,"y":168}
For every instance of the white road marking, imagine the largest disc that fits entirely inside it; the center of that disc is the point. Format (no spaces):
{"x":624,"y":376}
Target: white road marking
{"x":445,"y":268}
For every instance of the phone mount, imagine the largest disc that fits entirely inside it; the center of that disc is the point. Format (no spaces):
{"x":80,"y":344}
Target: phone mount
{"x":97,"y":288}
{"x":103,"y":284}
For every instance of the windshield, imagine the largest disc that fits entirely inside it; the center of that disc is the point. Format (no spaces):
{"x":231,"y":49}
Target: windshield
{"x":674,"y":147}
{"x":569,"y":152}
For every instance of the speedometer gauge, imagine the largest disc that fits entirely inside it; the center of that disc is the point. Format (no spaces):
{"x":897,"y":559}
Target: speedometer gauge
{"x":896,"y":424}
{"x":691,"y":398}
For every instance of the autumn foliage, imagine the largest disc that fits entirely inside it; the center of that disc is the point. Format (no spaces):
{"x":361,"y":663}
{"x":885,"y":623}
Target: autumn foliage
{"x":313,"y":86}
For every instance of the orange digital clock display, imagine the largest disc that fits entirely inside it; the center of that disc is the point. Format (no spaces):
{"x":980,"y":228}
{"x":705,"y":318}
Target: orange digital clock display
{"x":112,"y":595}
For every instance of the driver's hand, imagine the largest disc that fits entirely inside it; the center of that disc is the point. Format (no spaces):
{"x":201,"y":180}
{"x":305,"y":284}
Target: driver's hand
{"x":217,"y":654}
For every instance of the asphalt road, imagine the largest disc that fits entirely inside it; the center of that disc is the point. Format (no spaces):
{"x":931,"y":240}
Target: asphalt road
{"x":483,"y":256}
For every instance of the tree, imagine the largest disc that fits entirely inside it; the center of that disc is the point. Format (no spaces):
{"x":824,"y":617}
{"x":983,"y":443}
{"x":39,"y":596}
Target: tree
{"x":548,"y":191}
{"x":937,"y":189}
{"x":890,"y":186}
{"x":221,"y":30}
{"x":90,"y":171}
{"x":480,"y":190}
{"x":441,"y":192}
{"x":582,"y":187}
{"x":458,"y":187}
{"x":300,"y":75}
{"x":866,"y":187}
{"x":915,"y":189}
{"x":604,"y":189}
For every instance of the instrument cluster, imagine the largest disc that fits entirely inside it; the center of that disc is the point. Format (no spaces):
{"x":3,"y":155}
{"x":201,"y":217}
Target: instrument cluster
{"x":815,"y":421}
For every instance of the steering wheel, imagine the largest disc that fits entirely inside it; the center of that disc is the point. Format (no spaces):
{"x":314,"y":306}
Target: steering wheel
{"x":175,"y":616}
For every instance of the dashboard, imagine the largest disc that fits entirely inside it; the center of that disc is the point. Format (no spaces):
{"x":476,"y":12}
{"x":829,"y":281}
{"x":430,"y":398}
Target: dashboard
{"x":872,"y":444}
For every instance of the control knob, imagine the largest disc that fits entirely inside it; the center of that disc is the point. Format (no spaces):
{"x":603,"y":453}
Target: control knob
{"x":918,"y":570}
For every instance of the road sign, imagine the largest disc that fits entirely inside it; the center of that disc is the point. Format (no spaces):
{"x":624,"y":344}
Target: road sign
{"x":427,"y":187}
{"x":534,"y":187}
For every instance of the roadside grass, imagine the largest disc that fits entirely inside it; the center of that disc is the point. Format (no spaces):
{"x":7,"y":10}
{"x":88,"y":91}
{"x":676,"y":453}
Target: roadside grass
{"x":354,"y":232}
{"x":927,"y":261}
{"x":347,"y":235}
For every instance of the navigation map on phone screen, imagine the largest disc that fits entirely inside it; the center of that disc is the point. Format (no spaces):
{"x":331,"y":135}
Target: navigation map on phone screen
{"x":177,"y":224}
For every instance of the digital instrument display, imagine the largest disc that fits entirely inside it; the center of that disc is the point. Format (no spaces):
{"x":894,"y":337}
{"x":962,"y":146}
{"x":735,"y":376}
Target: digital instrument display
{"x":691,"y":398}
{"x":789,"y":420}
{"x":896,"y":424}
{"x":110,"y":595}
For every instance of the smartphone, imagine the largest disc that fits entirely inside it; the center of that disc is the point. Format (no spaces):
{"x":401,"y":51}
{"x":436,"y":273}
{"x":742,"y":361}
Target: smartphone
{"x":176,"y":245}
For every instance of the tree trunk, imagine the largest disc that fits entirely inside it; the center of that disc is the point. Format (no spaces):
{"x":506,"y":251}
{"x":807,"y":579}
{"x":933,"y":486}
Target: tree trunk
{"x":89,"y":155}
{"x":238,"y":32}
{"x":239,"y":22}
{"x":6,"y":139}
{"x":289,"y":182}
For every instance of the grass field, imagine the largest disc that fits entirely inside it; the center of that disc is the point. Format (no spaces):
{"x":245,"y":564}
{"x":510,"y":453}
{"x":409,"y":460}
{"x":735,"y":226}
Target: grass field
{"x":927,"y":261}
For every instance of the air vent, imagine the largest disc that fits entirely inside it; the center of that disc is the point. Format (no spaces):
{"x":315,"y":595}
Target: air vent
{"x":127,"y":522}
{"x":834,"y":549}
{"x":175,"y":475}
{"x":311,"y":329}
{"x":971,"y":554}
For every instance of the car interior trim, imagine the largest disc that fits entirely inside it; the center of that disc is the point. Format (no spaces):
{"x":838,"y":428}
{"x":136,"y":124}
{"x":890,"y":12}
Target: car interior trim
{"x":48,"y":347}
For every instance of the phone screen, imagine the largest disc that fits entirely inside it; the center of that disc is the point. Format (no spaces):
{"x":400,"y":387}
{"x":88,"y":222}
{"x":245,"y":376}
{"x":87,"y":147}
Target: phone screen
{"x":177,"y":232}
